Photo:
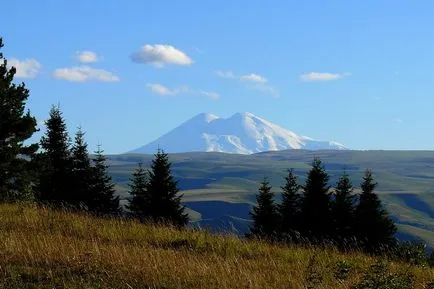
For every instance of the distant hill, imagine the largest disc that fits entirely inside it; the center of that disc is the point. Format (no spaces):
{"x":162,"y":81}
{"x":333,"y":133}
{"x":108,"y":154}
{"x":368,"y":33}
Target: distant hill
{"x":242,"y":133}
{"x":220,"y":188}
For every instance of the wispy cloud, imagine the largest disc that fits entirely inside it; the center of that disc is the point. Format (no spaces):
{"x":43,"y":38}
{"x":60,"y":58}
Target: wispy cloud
{"x":165,"y":91}
{"x":160,"y":55}
{"x":322,"y":76}
{"x":225,"y":74}
{"x":253,"y":77}
{"x":28,"y":68}
{"x":87,"y":57}
{"x":252,"y":80}
{"x":84,"y":73}
{"x":398,"y":120}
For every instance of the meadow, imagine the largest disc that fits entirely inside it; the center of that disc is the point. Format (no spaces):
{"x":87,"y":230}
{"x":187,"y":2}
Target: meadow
{"x":42,"y":248}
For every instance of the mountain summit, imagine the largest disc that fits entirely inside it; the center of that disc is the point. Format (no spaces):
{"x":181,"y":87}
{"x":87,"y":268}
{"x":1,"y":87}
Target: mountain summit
{"x":242,"y":133}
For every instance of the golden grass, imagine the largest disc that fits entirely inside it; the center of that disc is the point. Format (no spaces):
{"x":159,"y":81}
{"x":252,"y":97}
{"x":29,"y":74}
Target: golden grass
{"x":42,"y":248}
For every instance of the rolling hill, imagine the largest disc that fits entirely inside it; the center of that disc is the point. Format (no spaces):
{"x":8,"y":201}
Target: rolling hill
{"x":219,"y":188}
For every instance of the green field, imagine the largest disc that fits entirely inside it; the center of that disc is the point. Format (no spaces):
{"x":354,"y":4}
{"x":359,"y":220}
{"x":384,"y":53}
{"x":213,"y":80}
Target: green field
{"x":405,"y":182}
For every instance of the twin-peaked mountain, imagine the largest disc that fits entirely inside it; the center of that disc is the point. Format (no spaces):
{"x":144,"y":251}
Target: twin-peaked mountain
{"x":242,"y":133}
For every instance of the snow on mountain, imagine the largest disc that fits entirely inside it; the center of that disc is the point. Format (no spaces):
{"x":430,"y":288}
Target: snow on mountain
{"x":242,"y":133}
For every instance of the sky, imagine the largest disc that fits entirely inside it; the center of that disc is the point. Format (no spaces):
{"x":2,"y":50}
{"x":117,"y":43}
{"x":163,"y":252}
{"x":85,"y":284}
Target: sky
{"x":357,"y":72}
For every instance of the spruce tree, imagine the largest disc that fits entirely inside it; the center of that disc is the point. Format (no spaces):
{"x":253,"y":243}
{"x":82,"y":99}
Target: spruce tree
{"x":81,"y":171}
{"x":289,"y":209}
{"x":139,"y":204}
{"x":16,"y":126}
{"x":375,"y":230}
{"x":264,"y":214}
{"x":316,"y":218}
{"x":55,"y":182}
{"x":164,"y":198}
{"x":102,"y":199}
{"x":343,"y":211}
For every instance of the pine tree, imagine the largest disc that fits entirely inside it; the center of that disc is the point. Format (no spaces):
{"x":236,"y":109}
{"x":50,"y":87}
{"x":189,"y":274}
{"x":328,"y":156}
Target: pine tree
{"x":16,"y":126}
{"x":343,"y":210}
{"x":139,"y":204}
{"x":289,"y":209}
{"x":102,"y":200}
{"x":316,"y":218}
{"x":81,"y":171}
{"x":375,"y":230}
{"x":264,"y":214}
{"x":55,"y":183}
{"x":164,"y":198}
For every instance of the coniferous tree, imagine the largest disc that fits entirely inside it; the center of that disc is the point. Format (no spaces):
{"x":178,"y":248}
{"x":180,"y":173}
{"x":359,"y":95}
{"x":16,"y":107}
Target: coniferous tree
{"x":139,"y":204}
{"x":81,"y":171}
{"x":164,"y":198}
{"x":16,"y":126}
{"x":102,"y":200}
{"x":343,"y":211}
{"x":55,"y":179}
{"x":375,"y":230}
{"x":289,"y":209}
{"x":316,"y":218}
{"x":264,"y":214}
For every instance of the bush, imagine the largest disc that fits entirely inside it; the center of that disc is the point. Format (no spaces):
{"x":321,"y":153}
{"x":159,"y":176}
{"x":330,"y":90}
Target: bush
{"x":411,"y":252}
{"x":379,"y":277}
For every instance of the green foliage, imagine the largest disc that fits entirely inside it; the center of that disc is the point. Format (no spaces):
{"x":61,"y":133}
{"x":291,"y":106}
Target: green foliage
{"x":379,"y":277}
{"x":16,"y":126}
{"x":375,"y":230}
{"x":343,"y":211}
{"x":289,"y":209}
{"x":163,"y":204}
{"x":315,"y":208}
{"x":342,"y":270}
{"x":264,"y":214}
{"x":103,"y":200}
{"x":81,"y":171}
{"x":55,"y":162}
{"x":139,"y":203}
{"x":411,"y":252}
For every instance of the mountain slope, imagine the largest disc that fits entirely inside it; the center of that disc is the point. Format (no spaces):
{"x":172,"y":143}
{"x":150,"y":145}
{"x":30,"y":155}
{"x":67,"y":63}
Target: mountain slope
{"x":242,"y":133}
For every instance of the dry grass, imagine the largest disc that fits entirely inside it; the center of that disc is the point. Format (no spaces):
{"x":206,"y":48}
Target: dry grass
{"x":41,"y":248}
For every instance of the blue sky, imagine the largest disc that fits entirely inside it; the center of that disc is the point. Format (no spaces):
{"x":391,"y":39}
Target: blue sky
{"x":357,"y":72}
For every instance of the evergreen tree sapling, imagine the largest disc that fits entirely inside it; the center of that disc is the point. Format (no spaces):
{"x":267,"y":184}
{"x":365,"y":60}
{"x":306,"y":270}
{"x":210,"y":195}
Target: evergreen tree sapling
{"x":16,"y":126}
{"x":82,"y":171}
{"x":103,"y":200}
{"x":139,"y":205}
{"x":55,"y":178}
{"x":316,"y":218}
{"x":164,"y":198}
{"x":343,"y":211}
{"x":375,"y":230}
{"x":264,"y":214}
{"x":289,"y":209}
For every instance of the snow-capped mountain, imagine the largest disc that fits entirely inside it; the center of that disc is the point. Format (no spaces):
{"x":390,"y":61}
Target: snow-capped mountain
{"x":242,"y":133}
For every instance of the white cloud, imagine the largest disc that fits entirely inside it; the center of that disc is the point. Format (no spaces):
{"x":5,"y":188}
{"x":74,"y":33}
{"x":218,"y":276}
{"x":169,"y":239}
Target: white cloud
{"x":253,"y":77}
{"x":160,"y":55}
{"x":265,"y":88}
{"x":165,"y":91}
{"x":398,"y":120}
{"x":84,"y":73}
{"x":28,"y":68}
{"x":321,"y":76}
{"x":87,"y":56}
{"x":253,"y":81}
{"x":225,"y":74}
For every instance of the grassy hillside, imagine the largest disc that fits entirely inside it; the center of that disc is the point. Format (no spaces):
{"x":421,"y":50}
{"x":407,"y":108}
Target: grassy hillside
{"x":41,"y":248}
{"x":405,"y":182}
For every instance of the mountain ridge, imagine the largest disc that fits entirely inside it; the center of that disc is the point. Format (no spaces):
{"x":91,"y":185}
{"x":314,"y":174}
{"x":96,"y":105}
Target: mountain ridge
{"x":242,"y":133}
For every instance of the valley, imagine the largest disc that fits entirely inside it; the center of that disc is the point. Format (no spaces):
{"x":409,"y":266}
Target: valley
{"x":219,"y":188}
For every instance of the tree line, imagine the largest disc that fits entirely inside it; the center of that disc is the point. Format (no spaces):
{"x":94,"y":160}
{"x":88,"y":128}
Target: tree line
{"x":61,"y":173}
{"x":317,"y":214}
